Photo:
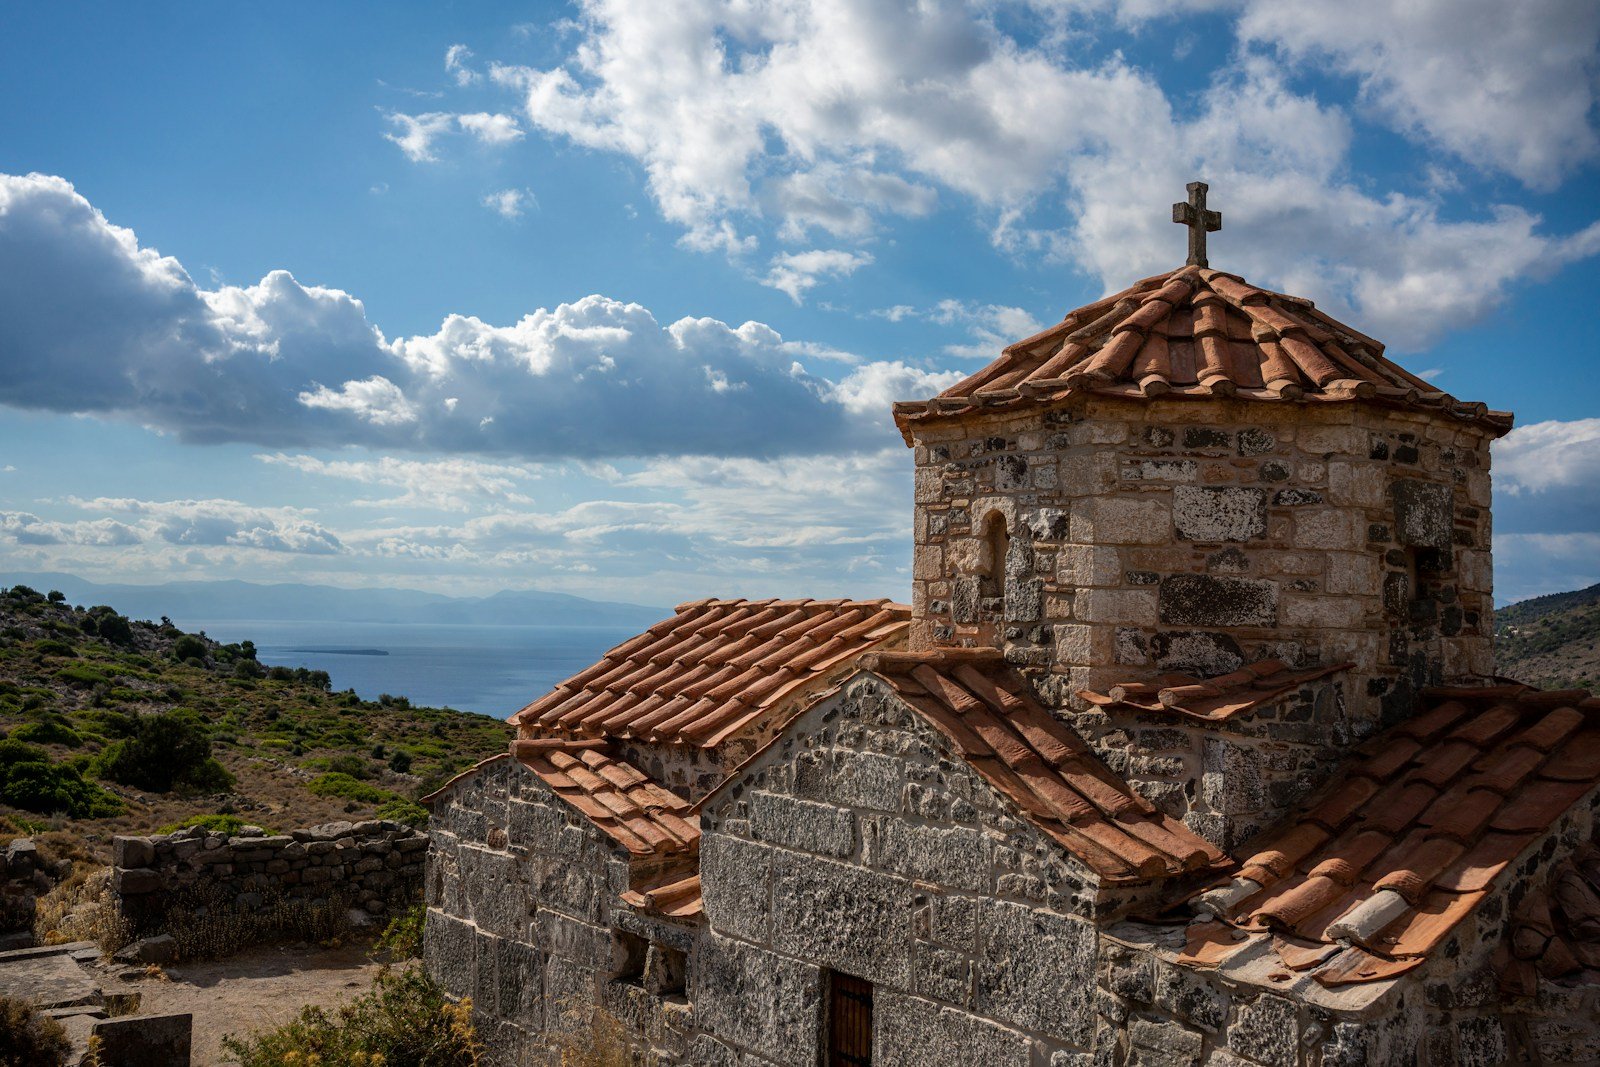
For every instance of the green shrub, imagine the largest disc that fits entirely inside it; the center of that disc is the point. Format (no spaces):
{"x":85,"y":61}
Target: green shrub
{"x":189,"y":647}
{"x":402,"y":810}
{"x":405,"y":1021}
{"x":346,"y":763}
{"x":82,"y":675}
{"x":226,"y":824}
{"x":402,"y":938}
{"x":29,"y":1038}
{"x":165,"y":751}
{"x":110,"y":625}
{"x":28,"y":780}
{"x":55,"y":648}
{"x":49,"y":732}
{"x":335,"y":784}
{"x":400,"y":762}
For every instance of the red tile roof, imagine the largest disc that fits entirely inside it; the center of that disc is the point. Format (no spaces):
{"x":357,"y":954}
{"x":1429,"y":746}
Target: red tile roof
{"x":715,"y":668}
{"x":1555,"y":931}
{"x":1213,"y":699}
{"x":613,"y":794}
{"x":986,"y":713}
{"x":1403,"y":845}
{"x":1195,"y":332}
{"x":679,"y":898}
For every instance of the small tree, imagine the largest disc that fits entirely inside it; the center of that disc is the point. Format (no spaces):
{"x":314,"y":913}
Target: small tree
{"x":166,"y":751}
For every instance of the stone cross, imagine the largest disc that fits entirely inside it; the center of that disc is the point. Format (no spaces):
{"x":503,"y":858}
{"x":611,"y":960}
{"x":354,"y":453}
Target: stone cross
{"x":1200,"y":222}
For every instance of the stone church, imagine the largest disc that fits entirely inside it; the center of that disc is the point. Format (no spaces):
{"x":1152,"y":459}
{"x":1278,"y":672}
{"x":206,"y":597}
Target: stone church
{"x":1187,"y":749}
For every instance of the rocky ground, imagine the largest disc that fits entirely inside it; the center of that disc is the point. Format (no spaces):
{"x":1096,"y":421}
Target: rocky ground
{"x":1551,"y":641}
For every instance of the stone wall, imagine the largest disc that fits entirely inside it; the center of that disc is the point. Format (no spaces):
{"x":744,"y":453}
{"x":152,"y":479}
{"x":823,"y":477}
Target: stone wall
{"x":374,"y":865}
{"x":23,"y":879}
{"x":1168,"y":535}
{"x":858,"y":845}
{"x":523,"y":896}
{"x":1229,"y":780}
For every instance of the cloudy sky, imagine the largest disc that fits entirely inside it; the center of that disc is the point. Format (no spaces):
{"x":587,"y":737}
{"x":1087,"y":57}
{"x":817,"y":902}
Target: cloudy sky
{"x":612,"y":297}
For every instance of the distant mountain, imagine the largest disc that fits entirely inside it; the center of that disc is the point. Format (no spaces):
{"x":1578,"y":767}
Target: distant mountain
{"x":185,"y":602}
{"x":1551,"y":641}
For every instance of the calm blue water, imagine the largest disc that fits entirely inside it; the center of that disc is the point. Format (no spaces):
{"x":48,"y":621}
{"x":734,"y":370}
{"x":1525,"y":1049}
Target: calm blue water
{"x":493,"y":670}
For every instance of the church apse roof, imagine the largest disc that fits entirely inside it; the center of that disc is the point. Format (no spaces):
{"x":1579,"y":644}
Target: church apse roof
{"x":1195,"y":333}
{"x":715,"y":668}
{"x":1375,"y":873}
{"x":1052,"y":776}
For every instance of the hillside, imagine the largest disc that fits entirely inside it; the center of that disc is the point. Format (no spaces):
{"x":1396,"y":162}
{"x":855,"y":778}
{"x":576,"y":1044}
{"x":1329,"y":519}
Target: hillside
{"x":117,"y":726}
{"x":1551,"y":641}
{"x":219,"y":600}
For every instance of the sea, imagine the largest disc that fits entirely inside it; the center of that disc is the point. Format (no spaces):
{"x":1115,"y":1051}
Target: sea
{"x":492,"y":670}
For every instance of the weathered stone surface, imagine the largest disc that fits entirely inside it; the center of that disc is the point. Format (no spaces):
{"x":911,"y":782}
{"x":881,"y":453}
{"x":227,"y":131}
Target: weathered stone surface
{"x":1217,"y":600}
{"x":1266,"y":1030}
{"x":757,"y":1000}
{"x":1035,"y":971}
{"x":912,"y":1032}
{"x":1198,"y":652}
{"x":857,"y":920}
{"x":1228,"y":513}
{"x":802,"y":824}
{"x":145,"y":1040}
{"x":734,"y":876}
{"x":1422,"y":513}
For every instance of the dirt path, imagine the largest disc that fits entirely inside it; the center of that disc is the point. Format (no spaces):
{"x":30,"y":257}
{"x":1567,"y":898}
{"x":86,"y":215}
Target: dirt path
{"x":261,"y":988}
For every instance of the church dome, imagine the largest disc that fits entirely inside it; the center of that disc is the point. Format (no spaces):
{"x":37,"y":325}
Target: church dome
{"x":1195,"y":333}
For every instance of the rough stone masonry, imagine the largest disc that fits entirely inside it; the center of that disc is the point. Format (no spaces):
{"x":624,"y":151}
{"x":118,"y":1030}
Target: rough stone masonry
{"x":1188,"y":749}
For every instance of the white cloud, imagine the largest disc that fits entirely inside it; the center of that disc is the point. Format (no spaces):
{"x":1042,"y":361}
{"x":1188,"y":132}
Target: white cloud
{"x":116,"y":329}
{"x":830,"y":116}
{"x":510,"y":203}
{"x":1545,"y":456}
{"x":991,"y":326}
{"x":200,"y":523}
{"x":456,"y":58}
{"x":447,"y":484}
{"x":491,"y":129}
{"x":797,"y":273}
{"x":1509,"y":88}
{"x":416,"y":134}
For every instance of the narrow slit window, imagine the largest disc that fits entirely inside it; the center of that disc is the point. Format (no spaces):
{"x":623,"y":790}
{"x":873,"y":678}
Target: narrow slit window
{"x":996,"y":543}
{"x":849,"y":1021}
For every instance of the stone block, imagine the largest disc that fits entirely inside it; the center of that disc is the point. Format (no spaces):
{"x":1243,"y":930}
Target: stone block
{"x":1088,"y":565}
{"x":1329,"y":529}
{"x":943,"y":974}
{"x":562,"y":935}
{"x":1175,"y":1042}
{"x":1225,"y":513}
{"x":756,"y":999}
{"x":735,"y":874}
{"x":866,"y":780}
{"x":1130,"y":606}
{"x":449,"y":951}
{"x":1035,"y":971}
{"x":1267,"y":1030}
{"x":1159,"y":470}
{"x":1332,"y":440}
{"x":858,"y":920}
{"x":950,"y":856}
{"x":137,"y":881}
{"x":1323,"y":612}
{"x":1218,"y":600}
{"x":911,"y":1032}
{"x":1196,"y":652}
{"x":1423,"y":514}
{"x":132,"y":852}
{"x":1233,"y":781}
{"x":802,"y":824}
{"x":145,"y":1040}
{"x":1121,"y":521}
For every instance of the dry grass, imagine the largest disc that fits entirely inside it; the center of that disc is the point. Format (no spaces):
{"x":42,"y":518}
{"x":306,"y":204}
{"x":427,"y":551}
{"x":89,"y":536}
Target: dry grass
{"x":82,"y":909}
{"x":208,"y":923}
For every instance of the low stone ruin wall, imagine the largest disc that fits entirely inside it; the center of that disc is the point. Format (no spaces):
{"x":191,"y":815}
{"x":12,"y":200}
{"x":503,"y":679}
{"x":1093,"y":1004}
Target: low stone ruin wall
{"x":375,"y":865}
{"x":23,"y":879}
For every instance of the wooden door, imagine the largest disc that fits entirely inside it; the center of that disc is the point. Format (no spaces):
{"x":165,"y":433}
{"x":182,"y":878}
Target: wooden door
{"x":849,"y":1022}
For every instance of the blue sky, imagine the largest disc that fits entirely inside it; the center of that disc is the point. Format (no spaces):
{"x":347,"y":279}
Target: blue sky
{"x":612,"y":297}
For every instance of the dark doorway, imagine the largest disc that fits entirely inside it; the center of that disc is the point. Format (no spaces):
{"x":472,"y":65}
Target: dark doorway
{"x":849,"y":1022}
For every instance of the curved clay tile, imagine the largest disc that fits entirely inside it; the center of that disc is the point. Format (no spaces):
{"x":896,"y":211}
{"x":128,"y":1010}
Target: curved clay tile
{"x":1195,"y":332}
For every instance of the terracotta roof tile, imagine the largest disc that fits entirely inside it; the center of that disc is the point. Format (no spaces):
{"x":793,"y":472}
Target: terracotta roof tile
{"x":715,"y":666}
{"x":1190,"y":333}
{"x":676,"y":898}
{"x":1216,"y":699}
{"x":616,"y":796}
{"x":1407,"y":841}
{"x":986,"y":712}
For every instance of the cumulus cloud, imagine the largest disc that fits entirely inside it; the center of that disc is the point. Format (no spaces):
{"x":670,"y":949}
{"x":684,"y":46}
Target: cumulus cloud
{"x":1511,"y":89}
{"x":416,"y":134}
{"x":93,"y":322}
{"x":1543,"y":456}
{"x":202,"y":523}
{"x":510,"y":203}
{"x":456,"y":60}
{"x":832,"y":116}
{"x":797,"y":273}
